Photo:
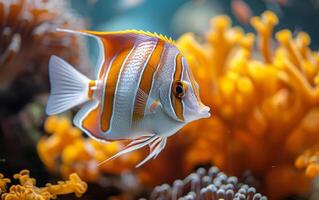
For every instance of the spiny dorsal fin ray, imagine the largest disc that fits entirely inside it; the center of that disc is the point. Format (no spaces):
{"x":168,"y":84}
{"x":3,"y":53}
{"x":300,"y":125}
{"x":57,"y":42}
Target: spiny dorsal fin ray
{"x":134,"y":31}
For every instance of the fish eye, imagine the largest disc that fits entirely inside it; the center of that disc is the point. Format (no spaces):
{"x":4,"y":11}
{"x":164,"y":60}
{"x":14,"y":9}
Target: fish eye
{"x":179,"y":89}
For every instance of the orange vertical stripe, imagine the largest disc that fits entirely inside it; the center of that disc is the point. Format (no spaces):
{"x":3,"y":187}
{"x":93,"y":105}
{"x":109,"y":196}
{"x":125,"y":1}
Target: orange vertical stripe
{"x":177,"y":102}
{"x":147,"y":78}
{"x":90,"y":122}
{"x":110,"y":87}
{"x":113,"y":45}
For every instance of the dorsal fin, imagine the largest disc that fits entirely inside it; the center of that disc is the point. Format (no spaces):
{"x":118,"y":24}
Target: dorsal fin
{"x":112,"y":43}
{"x":133,"y":31}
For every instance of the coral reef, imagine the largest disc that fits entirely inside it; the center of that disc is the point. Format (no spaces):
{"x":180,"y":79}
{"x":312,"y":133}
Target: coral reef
{"x":28,"y":40}
{"x":67,"y":151}
{"x":27,"y":188}
{"x":264,"y":96}
{"x":211,"y":184}
{"x":265,"y":101}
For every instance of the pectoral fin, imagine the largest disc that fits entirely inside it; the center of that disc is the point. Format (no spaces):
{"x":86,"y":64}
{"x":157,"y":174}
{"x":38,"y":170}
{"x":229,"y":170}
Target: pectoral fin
{"x":155,"y":105}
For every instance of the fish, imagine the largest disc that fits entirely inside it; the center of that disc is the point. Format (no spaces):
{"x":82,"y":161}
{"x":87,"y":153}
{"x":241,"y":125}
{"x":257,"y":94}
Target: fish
{"x":143,"y":91}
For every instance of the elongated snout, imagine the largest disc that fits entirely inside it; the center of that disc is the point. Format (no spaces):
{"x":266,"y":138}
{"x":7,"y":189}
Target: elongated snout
{"x":204,"y":112}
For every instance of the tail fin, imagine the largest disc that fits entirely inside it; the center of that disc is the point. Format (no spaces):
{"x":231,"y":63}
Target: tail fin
{"x":69,"y":87}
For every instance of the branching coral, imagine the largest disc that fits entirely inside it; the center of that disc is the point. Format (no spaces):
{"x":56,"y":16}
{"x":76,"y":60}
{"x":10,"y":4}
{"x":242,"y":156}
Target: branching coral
{"x":211,"y":184}
{"x":264,"y":101}
{"x":67,"y":151}
{"x":27,"y":188}
{"x":29,"y":38}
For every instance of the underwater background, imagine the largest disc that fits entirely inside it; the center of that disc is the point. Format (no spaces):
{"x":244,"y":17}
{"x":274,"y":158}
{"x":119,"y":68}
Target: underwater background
{"x":257,"y":65}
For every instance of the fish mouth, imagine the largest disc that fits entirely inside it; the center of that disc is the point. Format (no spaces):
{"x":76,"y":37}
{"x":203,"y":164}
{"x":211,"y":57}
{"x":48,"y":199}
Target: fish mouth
{"x":204,"y":112}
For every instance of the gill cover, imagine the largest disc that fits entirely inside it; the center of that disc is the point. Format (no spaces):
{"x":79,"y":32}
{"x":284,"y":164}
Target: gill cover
{"x":165,"y":91}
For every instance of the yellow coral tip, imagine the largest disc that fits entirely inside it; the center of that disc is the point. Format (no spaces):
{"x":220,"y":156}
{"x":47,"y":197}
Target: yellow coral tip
{"x":284,"y":36}
{"x":271,"y":17}
{"x":221,"y":22}
{"x":303,"y":38}
{"x":80,"y":186}
{"x":254,"y":21}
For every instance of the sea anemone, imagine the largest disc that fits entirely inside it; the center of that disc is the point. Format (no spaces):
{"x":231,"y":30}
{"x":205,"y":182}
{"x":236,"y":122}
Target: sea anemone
{"x":211,"y":184}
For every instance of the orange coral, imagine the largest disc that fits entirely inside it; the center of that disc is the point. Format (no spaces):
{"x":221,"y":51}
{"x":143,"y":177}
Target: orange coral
{"x":78,"y":154}
{"x":262,"y":102}
{"x":309,"y":161}
{"x":27,"y":189}
{"x":3,"y":183}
